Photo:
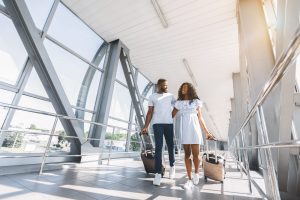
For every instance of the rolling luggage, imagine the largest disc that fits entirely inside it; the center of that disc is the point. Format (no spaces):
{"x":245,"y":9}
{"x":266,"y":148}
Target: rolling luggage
{"x":147,"y":155}
{"x":213,"y":165}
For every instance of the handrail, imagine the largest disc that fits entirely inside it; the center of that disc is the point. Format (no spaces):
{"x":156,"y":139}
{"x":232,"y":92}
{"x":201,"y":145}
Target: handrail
{"x":5,"y":105}
{"x":281,"y":66}
{"x":51,"y":134}
{"x":58,"y":156}
{"x":26,"y":132}
{"x":274,"y":145}
{"x":287,"y":57}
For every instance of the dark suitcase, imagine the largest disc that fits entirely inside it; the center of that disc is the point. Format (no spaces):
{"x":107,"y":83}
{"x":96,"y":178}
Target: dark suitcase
{"x":148,"y":155}
{"x":213,"y":165}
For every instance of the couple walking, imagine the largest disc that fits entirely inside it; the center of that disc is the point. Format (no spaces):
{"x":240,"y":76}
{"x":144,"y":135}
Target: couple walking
{"x":162,"y":108}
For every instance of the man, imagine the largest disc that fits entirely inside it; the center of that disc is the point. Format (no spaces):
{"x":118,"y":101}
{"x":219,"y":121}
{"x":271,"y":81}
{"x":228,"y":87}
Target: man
{"x":160,"y":112}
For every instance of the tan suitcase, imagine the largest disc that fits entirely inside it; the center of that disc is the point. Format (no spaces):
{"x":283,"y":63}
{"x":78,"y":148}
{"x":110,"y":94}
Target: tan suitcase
{"x":213,"y":168}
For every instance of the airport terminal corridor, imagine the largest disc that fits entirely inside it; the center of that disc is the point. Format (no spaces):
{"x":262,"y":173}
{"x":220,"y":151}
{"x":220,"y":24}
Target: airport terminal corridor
{"x":97,"y":97}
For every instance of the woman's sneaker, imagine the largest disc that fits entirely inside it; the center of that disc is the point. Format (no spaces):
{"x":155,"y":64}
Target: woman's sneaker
{"x":196,"y":179}
{"x":188,"y":185}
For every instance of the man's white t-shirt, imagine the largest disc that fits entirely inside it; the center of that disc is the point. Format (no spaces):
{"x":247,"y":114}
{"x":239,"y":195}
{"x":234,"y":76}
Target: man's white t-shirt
{"x":163,"y":104}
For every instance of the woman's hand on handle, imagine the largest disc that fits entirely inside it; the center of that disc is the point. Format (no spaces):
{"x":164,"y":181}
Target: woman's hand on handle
{"x":210,"y":136}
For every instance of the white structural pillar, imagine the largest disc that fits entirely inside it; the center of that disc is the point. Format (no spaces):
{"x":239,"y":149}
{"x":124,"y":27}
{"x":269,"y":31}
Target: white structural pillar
{"x":257,"y":49}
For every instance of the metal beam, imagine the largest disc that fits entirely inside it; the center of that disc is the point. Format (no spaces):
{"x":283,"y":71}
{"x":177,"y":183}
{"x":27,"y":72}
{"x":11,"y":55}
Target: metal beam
{"x":105,"y":92}
{"x":132,"y":86}
{"x":3,"y":10}
{"x":39,"y":57}
{"x":128,"y":141}
{"x":8,"y":87}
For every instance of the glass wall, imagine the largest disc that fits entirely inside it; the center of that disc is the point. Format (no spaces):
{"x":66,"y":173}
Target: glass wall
{"x":72,"y":52}
{"x":78,"y":36}
{"x":39,"y":11}
{"x":12,"y":52}
{"x":74,"y":55}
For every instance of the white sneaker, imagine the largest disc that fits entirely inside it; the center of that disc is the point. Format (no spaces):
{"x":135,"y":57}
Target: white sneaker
{"x":172,"y":172}
{"x":196,"y":179}
{"x":188,"y":185}
{"x":157,"y":179}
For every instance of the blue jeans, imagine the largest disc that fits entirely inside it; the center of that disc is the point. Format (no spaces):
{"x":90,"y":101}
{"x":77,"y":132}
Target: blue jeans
{"x":167,"y":131}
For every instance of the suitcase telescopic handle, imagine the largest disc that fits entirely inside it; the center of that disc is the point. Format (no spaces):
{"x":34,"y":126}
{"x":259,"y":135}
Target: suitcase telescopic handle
{"x":143,"y":142}
{"x":207,"y":153}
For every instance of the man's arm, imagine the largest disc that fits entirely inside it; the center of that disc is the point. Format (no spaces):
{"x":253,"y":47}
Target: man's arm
{"x":148,"y":119}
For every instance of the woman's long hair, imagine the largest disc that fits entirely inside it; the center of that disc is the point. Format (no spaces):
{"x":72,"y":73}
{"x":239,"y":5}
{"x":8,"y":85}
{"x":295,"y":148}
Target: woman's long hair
{"x":192,"y":94}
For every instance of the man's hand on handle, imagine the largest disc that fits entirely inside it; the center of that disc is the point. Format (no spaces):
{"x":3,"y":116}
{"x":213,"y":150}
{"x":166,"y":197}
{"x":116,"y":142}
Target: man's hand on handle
{"x":144,"y":130}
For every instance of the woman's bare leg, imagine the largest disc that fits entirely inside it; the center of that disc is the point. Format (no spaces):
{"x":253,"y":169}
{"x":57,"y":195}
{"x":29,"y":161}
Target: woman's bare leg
{"x":187,"y":159}
{"x":196,"y":156}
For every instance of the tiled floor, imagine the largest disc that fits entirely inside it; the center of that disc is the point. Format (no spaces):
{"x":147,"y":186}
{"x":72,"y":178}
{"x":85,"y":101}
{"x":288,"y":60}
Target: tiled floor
{"x":122,"y":179}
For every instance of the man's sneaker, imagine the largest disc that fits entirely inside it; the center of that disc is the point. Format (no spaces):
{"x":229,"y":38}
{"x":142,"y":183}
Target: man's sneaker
{"x":188,"y":185}
{"x":157,"y":179}
{"x":172,"y":172}
{"x":196,"y":179}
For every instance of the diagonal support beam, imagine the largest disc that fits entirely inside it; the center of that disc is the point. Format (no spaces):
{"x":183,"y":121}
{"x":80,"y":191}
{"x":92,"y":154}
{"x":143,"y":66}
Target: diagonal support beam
{"x":132,"y":86}
{"x":38,"y":55}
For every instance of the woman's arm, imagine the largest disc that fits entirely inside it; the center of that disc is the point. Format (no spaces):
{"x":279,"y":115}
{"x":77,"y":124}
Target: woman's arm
{"x":202,"y":124}
{"x":174,"y":112}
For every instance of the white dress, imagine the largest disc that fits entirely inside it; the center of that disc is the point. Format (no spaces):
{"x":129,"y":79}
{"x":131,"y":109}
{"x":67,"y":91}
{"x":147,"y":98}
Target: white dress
{"x":189,"y":127}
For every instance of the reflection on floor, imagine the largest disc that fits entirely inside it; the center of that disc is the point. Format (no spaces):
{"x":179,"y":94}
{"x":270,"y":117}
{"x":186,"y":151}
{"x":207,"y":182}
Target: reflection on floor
{"x":122,"y":179}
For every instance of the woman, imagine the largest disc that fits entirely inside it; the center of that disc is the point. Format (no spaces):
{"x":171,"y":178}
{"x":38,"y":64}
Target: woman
{"x":189,"y":107}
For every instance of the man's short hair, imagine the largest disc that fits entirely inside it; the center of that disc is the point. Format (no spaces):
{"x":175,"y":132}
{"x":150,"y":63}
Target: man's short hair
{"x":160,"y":81}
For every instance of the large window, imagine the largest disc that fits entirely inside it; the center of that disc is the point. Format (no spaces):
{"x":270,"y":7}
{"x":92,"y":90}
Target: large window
{"x":116,"y":140}
{"x":71,"y":71}
{"x":142,"y":82}
{"x":121,"y":102}
{"x":73,"y":53}
{"x":25,"y":133}
{"x":77,"y":36}
{"x":6,"y":96}
{"x":12,"y":52}
{"x":39,"y":11}
{"x":34,"y":85}
{"x":37,"y":104}
{"x":120,"y":74}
